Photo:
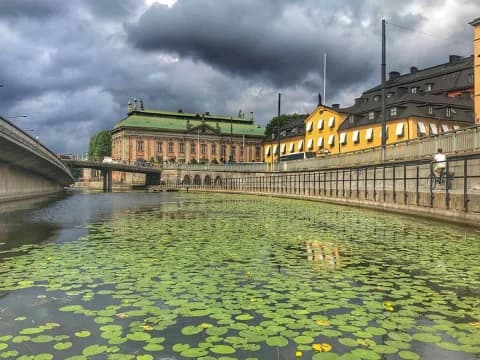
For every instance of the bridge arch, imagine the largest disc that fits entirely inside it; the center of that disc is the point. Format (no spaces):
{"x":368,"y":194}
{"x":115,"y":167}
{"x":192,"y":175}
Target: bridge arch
{"x":197,"y":180}
{"x":207,"y":180}
{"x":186,"y":180}
{"x":218,"y":181}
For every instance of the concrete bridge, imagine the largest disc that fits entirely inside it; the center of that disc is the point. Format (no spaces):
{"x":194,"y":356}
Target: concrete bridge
{"x":153,"y":173}
{"x":28,"y":168}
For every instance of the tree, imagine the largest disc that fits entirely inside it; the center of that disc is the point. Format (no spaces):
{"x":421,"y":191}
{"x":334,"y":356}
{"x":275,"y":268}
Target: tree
{"x":100,"y":145}
{"x":285,"y":118}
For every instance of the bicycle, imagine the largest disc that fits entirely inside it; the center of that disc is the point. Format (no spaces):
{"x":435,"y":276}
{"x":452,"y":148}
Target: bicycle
{"x":433,"y":180}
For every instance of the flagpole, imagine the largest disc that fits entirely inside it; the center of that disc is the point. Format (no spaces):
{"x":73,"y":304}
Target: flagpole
{"x":325,"y":78}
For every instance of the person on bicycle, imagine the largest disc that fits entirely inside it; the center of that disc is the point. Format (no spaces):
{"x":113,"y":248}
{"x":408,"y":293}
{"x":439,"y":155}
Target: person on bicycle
{"x":439,"y":162}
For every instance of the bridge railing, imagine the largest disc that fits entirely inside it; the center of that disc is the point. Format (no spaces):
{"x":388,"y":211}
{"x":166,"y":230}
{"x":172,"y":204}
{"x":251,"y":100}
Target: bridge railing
{"x":15,"y":133}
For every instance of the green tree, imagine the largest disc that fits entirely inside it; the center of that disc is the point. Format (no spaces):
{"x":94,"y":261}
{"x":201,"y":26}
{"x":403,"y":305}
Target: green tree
{"x":285,"y":118}
{"x":100,"y":145}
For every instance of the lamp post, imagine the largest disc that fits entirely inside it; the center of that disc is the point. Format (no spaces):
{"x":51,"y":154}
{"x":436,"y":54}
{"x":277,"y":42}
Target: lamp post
{"x":278,"y":130}
{"x":230,"y":160}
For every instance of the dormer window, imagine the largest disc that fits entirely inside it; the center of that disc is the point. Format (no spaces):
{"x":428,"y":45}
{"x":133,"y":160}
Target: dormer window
{"x":390,"y":94}
{"x":413,"y":90}
{"x":351,"y":119}
{"x":449,"y":111}
{"x":371,"y":115}
{"x":430,"y":110}
{"x":376,"y":98}
{"x":429,"y":87}
{"x":393,"y":111}
{"x":470,"y":78}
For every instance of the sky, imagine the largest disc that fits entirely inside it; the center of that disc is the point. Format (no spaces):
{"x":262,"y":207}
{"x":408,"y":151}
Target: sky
{"x":69,"y":68}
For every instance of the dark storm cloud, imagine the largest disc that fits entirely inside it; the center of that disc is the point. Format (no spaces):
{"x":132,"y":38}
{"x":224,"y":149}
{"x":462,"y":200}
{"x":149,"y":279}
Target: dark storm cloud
{"x":29,"y":8}
{"x":72,"y":65}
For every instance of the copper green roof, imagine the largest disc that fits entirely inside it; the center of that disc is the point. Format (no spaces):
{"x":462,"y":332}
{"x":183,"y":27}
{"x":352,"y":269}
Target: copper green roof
{"x":179,"y":122}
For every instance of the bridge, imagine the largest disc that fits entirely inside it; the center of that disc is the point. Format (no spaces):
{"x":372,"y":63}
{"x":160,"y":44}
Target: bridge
{"x":153,"y":173}
{"x":27,"y":167}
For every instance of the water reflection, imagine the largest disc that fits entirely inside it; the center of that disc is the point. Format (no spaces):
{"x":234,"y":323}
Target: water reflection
{"x":326,"y":254}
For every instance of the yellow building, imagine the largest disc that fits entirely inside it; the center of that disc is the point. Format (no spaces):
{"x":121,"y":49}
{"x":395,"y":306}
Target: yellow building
{"x":321,"y":129}
{"x":292,"y":140}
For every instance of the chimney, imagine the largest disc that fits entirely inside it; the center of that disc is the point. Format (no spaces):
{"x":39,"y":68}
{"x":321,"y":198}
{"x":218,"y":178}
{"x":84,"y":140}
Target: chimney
{"x":180,"y":111}
{"x":453,"y":59}
{"x":319,"y":99}
{"x":129,"y":106}
{"x":413,"y":70}
{"x":335,"y":106}
{"x":207,"y":113}
{"x":251,"y":115}
{"x":135,"y":104}
{"x":393,"y":75}
{"x":141,"y":104}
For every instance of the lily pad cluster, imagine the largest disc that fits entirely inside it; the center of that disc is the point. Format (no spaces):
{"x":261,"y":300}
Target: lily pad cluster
{"x":237,"y":277}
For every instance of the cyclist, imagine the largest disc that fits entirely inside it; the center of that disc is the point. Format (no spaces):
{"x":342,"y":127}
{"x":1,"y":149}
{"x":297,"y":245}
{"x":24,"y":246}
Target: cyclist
{"x":439,"y":162}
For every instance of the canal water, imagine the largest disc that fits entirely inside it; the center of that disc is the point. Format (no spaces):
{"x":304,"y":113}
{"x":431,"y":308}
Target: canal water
{"x":181,"y":275}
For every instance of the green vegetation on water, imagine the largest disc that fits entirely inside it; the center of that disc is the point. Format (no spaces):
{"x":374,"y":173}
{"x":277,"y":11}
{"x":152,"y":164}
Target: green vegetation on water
{"x":232,"y":277}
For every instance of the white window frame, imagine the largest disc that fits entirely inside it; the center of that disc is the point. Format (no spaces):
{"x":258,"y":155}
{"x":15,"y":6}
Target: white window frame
{"x":399,"y":129}
{"x":448,"y":113}
{"x":320,"y":124}
{"x":310,"y":144}
{"x":320,"y":142}
{"x":421,"y":128}
{"x":393,"y":111}
{"x":433,"y":129}
{"x":283,"y":147}
{"x":331,"y":122}
{"x":309,"y":126}
{"x":343,"y":138}
{"x":356,"y":136}
{"x":369,"y":134}
{"x":275,"y":148}
{"x":300,"y":145}
{"x":292,"y":147}
{"x":371,"y":115}
{"x":414,"y":90}
{"x":331,"y":139}
{"x":445,"y":128}
{"x":267,"y":151}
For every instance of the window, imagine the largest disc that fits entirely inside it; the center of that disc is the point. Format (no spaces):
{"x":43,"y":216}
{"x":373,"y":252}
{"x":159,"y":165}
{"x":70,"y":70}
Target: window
{"x":430,"y":110}
{"x":355,"y":136}
{"x":193,"y":148}
{"x":257,"y":152}
{"x":371,"y":115}
{"x":369,"y":134}
{"x":275,"y":149}
{"x":445,"y":128}
{"x":214,"y":149}
{"x":413,"y":90}
{"x":233,"y":152}
{"x":393,"y":111}
{"x":456,"y":127}
{"x":320,"y":124}
{"x":429,"y":87}
{"x":376,"y":98}
{"x":310,"y":126}
{"x":224,"y":150}
{"x":399,"y":130}
{"x":140,"y":145}
{"x":181,"y":148}
{"x":470,"y":78}
{"x":203,"y":149}
{"x":433,"y":129}
{"x":449,"y":111}
{"x":267,"y":152}
{"x":300,"y":145}
{"x":284,"y":148}
{"x":331,"y":122}
{"x":160,"y":147}
{"x":331,"y":140}
{"x":343,"y":138}
{"x":421,"y":128}
{"x":292,"y":147}
{"x":170,"y":147}
{"x":390,"y":94}
{"x":310,"y":144}
{"x":320,"y":142}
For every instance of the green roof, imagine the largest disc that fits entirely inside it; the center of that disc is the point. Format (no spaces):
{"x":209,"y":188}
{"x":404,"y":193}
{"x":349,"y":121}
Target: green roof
{"x":174,"y":121}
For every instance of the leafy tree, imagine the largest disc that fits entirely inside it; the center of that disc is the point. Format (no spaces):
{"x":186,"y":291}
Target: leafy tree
{"x":100,"y":145}
{"x":285,"y":118}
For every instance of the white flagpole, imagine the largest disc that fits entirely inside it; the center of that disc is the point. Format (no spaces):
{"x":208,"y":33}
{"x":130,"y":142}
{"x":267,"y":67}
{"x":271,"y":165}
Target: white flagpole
{"x":198,"y":150}
{"x":325,"y":78}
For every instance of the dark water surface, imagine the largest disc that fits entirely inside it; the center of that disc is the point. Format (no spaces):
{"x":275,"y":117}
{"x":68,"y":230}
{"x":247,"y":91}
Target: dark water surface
{"x":175,"y":276}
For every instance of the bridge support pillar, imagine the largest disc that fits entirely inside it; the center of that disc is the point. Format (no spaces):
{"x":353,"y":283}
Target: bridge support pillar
{"x":107,"y":180}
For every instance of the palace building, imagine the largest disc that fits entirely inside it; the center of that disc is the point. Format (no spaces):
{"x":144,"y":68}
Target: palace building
{"x":164,"y":136}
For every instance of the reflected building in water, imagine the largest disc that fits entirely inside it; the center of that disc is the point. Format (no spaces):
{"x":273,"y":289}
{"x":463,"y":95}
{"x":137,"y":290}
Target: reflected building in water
{"x":327,"y":255}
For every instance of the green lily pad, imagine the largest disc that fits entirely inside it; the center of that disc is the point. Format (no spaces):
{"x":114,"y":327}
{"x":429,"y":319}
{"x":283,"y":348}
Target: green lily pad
{"x":222,"y":349}
{"x":191,"y":330}
{"x":277,"y":341}
{"x":408,"y":355}
{"x":426,"y":337}
{"x":93,"y":350}
{"x":303,"y":339}
{"x":194,"y":352}
{"x":63,"y":345}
